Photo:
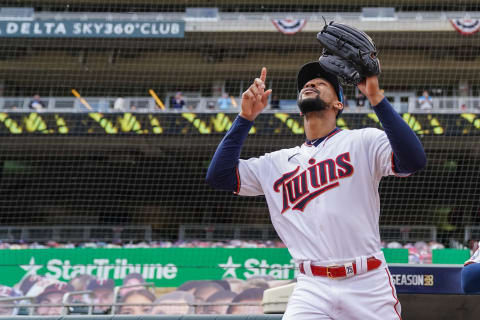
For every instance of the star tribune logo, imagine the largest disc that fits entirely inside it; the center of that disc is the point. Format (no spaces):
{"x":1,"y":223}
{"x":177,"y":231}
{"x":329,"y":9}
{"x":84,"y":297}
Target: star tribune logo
{"x":230,"y":268}
{"x":31,"y":268}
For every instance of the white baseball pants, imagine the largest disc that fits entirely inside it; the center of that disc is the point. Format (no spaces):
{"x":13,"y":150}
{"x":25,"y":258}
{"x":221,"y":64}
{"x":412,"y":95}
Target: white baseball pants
{"x":367,"y":296}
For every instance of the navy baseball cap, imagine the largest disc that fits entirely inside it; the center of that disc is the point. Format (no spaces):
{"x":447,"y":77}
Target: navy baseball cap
{"x":313,"y":70}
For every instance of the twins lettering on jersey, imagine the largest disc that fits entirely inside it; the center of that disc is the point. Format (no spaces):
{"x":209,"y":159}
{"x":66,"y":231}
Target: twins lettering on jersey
{"x":299,"y":188}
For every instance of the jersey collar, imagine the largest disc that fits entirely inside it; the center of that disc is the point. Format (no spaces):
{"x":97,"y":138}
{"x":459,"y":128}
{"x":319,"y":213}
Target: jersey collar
{"x":316,"y":142}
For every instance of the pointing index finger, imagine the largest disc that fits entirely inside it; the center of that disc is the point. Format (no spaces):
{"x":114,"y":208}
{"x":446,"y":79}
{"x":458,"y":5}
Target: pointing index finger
{"x":263,"y":75}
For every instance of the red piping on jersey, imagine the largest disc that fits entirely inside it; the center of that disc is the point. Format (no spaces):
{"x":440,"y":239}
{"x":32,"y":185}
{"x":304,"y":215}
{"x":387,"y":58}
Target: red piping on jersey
{"x":308,"y":144}
{"x":331,"y":135}
{"x":238,"y":181}
{"x":393,"y":294}
{"x":393,"y":163}
{"x":326,"y":138}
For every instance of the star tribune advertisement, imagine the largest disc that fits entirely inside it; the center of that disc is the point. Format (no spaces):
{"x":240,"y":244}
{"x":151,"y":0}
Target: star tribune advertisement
{"x":170,"y":267}
{"x":164,"y":267}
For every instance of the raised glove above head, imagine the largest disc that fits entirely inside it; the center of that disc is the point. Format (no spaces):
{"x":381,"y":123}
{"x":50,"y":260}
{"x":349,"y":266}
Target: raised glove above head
{"x":348,"y":52}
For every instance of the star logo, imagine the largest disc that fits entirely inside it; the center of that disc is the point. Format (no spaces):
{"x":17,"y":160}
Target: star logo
{"x":31,"y":267}
{"x":230,"y":268}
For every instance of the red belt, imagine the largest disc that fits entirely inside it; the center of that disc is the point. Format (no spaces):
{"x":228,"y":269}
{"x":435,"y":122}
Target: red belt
{"x":340,"y":271}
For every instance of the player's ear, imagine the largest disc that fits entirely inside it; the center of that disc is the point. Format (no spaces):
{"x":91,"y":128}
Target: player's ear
{"x":338,"y":106}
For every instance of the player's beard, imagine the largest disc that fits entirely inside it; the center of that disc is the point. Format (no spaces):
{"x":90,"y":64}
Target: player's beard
{"x":311,"y":104}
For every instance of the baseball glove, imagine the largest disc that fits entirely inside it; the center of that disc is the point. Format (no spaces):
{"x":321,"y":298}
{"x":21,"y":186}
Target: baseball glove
{"x":348,"y":52}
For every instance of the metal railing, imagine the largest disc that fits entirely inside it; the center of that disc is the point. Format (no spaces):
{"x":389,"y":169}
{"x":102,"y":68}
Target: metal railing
{"x":226,"y":231}
{"x":219,"y":231}
{"x":454,"y":105}
{"x":139,"y":16}
{"x":69,"y":307}
{"x":408,"y":233}
{"x":447,"y":105}
{"x":75,"y":233}
{"x":73,"y":105}
{"x":17,"y":303}
{"x":209,"y":232}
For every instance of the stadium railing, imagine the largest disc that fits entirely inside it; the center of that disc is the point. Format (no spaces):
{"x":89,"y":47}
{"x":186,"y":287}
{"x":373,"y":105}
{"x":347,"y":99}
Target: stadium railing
{"x":402,"y":233}
{"x":226,"y":231}
{"x":209,"y":105}
{"x":186,"y":232}
{"x":75,"y":233}
{"x":69,"y":308}
{"x":408,"y":233}
{"x":247,"y":16}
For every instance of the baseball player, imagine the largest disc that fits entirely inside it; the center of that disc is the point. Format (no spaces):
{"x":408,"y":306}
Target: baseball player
{"x":323,"y":195}
{"x":471,"y":273}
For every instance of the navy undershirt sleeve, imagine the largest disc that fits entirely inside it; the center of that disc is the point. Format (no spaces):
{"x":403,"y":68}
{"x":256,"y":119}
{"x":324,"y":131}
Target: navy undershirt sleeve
{"x":408,"y":153}
{"x":471,"y":278}
{"x":222,"y":171}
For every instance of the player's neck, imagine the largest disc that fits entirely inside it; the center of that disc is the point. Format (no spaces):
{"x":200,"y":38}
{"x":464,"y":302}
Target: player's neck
{"x":318,"y":127}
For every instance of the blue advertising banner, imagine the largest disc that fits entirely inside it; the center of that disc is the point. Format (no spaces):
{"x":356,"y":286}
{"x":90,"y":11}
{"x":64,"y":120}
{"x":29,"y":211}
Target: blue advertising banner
{"x":427,"y":279}
{"x":92,"y":29}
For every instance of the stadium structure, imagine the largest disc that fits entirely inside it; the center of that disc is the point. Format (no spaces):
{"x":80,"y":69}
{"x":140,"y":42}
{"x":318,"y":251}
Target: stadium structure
{"x":95,"y":156}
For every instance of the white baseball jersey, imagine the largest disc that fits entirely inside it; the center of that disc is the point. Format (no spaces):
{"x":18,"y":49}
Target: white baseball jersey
{"x":323,"y":200}
{"x":475,"y":258}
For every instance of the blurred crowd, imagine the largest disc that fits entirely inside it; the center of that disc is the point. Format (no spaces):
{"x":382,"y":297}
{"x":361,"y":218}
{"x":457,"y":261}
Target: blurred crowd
{"x":419,"y":252}
{"x":37,"y":295}
{"x":419,"y":245}
{"x":151,"y":244}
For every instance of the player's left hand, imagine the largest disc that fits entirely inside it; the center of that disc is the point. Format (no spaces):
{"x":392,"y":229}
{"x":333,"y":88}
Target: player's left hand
{"x":348,"y":52}
{"x":371,"y":89}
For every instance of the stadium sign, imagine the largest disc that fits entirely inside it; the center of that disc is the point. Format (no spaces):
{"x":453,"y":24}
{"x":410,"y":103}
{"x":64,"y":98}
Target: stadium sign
{"x":166,"y":267}
{"x":92,"y":29}
{"x":428,"y":279}
{"x":170,"y":267}
{"x":102,"y":269}
{"x":252,"y":267}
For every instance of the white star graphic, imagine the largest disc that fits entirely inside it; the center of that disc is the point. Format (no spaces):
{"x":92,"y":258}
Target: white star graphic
{"x":31,"y":267}
{"x":230,"y":268}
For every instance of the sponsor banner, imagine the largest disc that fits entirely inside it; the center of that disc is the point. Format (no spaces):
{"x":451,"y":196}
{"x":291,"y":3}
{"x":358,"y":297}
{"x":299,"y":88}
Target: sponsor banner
{"x":170,"y":267}
{"x":166,"y":267}
{"x":91,"y":29}
{"x":427,"y":279}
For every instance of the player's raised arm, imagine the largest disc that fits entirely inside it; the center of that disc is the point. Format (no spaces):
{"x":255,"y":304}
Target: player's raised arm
{"x":352,"y":55}
{"x":255,"y":98}
{"x":222,"y":171}
{"x":408,"y":152}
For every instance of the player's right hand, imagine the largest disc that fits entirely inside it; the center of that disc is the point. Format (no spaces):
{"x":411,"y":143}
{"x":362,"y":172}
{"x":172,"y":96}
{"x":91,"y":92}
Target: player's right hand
{"x":255,"y":98}
{"x":371,"y":89}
